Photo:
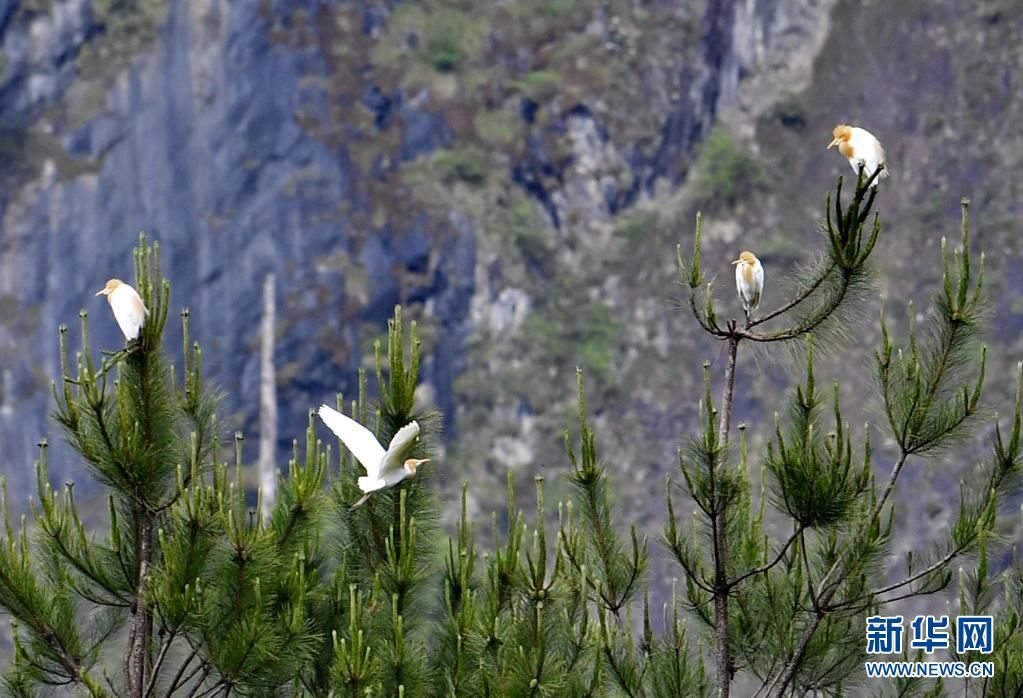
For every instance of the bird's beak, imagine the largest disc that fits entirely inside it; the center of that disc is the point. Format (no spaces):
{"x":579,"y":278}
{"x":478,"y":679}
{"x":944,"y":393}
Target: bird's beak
{"x":832,"y":144}
{"x":102,"y":292}
{"x":736,"y":261}
{"x":413,"y":463}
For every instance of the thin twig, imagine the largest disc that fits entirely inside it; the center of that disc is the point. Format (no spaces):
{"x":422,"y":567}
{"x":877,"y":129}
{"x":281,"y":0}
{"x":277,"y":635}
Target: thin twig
{"x":202,"y":680}
{"x":179,"y":677}
{"x":154,"y":672}
{"x":767,"y":567}
{"x":799,"y":298}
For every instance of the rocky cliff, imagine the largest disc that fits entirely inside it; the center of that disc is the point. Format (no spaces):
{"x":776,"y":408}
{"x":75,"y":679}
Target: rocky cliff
{"x":516,"y":174}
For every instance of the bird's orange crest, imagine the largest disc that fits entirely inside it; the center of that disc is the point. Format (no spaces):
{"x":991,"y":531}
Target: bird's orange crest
{"x":110,"y":287}
{"x":746,"y":261}
{"x":842,"y":132}
{"x":843,"y":139}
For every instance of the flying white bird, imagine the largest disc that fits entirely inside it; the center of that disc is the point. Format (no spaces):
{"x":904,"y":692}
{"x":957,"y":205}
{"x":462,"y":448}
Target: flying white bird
{"x":861,"y":148}
{"x":129,"y":310}
{"x":383,"y":468}
{"x":749,"y":281}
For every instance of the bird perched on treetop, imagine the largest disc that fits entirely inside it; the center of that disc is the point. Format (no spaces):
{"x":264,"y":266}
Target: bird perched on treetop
{"x":749,"y":281}
{"x":129,"y":310}
{"x":860,"y":147}
{"x":383,"y":468}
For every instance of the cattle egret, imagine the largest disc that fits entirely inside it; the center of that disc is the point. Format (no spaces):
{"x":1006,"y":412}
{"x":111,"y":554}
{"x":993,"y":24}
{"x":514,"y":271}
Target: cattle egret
{"x":749,"y":281}
{"x":383,"y":468}
{"x":129,"y":310}
{"x":860,"y":147}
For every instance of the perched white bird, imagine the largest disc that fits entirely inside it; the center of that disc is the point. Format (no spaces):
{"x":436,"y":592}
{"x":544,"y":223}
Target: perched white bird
{"x":383,"y":468}
{"x":129,"y":310}
{"x":860,"y":147}
{"x":749,"y":281}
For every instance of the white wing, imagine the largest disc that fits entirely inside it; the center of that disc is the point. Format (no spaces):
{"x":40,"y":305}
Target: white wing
{"x":881,"y":159}
{"x":758,"y":282}
{"x":129,"y":310}
{"x":356,"y":438}
{"x":862,"y":141}
{"x":394,"y":460}
{"x":868,"y":149}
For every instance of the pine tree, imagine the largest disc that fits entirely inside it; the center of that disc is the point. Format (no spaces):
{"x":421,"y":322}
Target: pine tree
{"x":187,"y":584}
{"x":790,"y":612}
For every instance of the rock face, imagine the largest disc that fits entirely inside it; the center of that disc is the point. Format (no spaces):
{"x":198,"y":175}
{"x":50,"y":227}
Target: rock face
{"x":517,"y":176}
{"x":197,"y":141}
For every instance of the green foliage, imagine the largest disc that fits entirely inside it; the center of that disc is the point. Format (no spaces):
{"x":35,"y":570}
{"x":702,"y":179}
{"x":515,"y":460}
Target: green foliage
{"x":1008,"y":640}
{"x":538,"y":84}
{"x":443,"y":50}
{"x":427,"y":38}
{"x":127,"y":28}
{"x":465,"y":164}
{"x":927,"y":399}
{"x":558,"y":8}
{"x":448,"y":34}
{"x":527,"y":232}
{"x":990,"y":10}
{"x":791,"y":612}
{"x":499,"y":128}
{"x":725,"y":172}
{"x":620,"y":571}
{"x":49,"y":644}
{"x":635,"y":227}
{"x":817,"y":482}
{"x":586,"y":335}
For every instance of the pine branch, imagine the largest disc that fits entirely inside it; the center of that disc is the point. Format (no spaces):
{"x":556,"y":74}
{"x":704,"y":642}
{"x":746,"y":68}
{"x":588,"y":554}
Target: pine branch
{"x":618,"y":570}
{"x":21,"y":598}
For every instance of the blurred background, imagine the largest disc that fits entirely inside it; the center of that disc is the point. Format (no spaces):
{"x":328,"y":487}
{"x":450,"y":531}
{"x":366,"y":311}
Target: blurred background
{"x":516,"y":174}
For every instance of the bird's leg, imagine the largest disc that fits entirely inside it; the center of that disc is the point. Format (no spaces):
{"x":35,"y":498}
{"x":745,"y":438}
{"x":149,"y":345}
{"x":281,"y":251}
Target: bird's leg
{"x":360,"y":502}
